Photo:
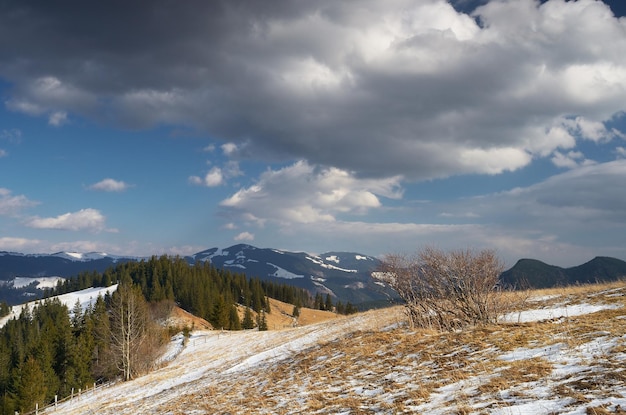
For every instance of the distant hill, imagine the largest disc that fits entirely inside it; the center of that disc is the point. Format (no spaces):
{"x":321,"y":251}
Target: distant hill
{"x":531,"y":273}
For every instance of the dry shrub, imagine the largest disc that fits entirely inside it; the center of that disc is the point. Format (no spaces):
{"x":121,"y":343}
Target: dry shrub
{"x":447,"y":290}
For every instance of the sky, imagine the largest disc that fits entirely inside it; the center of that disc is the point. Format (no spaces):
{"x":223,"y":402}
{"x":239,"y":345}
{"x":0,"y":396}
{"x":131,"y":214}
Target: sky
{"x":148,"y":128}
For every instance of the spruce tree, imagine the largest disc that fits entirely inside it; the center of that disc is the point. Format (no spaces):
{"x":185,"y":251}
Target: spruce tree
{"x":234,"y":323}
{"x":328,"y":305}
{"x":248,"y":321}
{"x":30,"y":387}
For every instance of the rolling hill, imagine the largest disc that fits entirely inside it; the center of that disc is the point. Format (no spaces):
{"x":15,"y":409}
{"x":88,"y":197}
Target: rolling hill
{"x":531,"y":273}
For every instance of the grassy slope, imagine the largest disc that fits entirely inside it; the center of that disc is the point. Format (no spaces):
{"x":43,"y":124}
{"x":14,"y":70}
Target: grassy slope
{"x":371,"y":363}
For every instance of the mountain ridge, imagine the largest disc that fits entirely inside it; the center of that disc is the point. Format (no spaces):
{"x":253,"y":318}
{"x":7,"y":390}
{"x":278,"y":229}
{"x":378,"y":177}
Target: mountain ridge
{"x":346,"y":276}
{"x":532,"y":273}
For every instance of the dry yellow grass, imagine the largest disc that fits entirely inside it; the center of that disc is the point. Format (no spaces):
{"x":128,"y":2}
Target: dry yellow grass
{"x":387,"y":368}
{"x":281,"y":315}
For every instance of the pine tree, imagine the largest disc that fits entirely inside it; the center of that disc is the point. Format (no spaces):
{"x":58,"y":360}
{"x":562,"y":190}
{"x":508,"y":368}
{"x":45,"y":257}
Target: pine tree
{"x":234,"y":323}
{"x":248,"y":321}
{"x":30,"y":388}
{"x":328,"y":306}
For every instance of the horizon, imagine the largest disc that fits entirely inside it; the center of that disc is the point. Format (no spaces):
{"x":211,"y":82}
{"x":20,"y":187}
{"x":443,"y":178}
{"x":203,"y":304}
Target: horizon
{"x":356,"y":127}
{"x":315,"y":254}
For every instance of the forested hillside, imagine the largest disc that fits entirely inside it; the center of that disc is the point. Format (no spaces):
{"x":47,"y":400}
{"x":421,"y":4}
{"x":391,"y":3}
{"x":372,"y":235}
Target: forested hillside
{"x":200,"y":288}
{"x":51,"y":351}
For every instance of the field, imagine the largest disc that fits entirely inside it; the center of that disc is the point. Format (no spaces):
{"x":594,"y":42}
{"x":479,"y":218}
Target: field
{"x":563,"y":352}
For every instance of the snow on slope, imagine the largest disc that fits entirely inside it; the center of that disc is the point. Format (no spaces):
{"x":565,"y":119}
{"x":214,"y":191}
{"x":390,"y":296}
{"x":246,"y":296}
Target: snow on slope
{"x":84,"y":297}
{"x":373,"y":363}
{"x":42,"y":282}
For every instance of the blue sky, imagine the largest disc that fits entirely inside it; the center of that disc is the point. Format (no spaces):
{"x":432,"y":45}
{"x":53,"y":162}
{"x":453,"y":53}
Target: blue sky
{"x":365,"y":126}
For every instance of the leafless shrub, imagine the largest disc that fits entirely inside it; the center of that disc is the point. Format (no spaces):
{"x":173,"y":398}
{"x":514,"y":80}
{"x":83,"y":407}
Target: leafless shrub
{"x":446,"y":290}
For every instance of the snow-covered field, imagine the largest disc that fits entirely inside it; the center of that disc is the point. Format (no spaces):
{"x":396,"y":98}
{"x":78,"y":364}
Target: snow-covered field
{"x":565,"y":354}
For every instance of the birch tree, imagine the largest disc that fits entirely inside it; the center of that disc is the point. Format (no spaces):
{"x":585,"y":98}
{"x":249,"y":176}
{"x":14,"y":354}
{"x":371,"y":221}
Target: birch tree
{"x":129,"y":327}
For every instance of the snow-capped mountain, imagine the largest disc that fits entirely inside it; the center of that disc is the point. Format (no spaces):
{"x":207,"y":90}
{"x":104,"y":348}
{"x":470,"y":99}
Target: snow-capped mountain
{"x":347,"y":276}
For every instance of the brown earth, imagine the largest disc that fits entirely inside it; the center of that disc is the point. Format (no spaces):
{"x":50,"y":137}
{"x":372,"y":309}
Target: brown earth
{"x":279,"y":318}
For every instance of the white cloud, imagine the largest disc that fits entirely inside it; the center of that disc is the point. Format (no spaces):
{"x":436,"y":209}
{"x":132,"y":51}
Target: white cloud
{"x":3,"y":153}
{"x":244,"y":236}
{"x":85,"y":219}
{"x":12,"y":244}
{"x":12,"y":205}
{"x":110,"y":185}
{"x":570,"y":160}
{"x":217,"y":176}
{"x":57,"y":118}
{"x":214,"y":177}
{"x":229,"y":148}
{"x":302,"y":193}
{"x":620,"y":151}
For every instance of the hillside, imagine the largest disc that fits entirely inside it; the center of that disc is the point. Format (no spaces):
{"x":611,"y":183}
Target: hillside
{"x":563,"y":353}
{"x":531,"y":273}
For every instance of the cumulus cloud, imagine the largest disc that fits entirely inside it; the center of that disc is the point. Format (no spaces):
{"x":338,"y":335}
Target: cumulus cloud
{"x":109,"y":185}
{"x":214,"y":178}
{"x":218,"y":176}
{"x":85,"y":219}
{"x":412,"y":88}
{"x":244,"y":236}
{"x":302,"y":193}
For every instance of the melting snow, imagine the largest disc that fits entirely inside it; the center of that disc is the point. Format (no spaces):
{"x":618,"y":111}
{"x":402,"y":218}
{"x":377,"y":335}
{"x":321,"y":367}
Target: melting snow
{"x":214,"y":363}
{"x":555,"y":312}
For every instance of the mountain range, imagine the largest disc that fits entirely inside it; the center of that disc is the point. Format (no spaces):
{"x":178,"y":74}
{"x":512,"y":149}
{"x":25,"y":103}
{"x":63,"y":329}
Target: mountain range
{"x":347,"y":276}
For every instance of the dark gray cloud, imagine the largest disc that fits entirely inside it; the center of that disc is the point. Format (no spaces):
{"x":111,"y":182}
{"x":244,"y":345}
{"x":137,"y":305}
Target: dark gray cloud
{"x":401,"y":87}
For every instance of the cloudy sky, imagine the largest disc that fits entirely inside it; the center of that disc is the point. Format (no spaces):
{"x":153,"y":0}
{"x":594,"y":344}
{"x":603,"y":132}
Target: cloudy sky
{"x":370,"y":126}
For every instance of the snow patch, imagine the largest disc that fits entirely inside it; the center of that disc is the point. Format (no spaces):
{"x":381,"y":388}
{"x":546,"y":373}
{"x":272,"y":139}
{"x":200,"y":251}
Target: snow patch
{"x":43,"y":282}
{"x":283,"y":273}
{"x":555,"y":312}
{"x":328,"y":266}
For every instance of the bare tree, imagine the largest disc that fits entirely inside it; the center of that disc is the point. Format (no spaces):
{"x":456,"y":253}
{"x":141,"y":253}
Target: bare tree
{"x":446,"y":290}
{"x":129,"y":327}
